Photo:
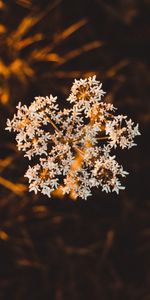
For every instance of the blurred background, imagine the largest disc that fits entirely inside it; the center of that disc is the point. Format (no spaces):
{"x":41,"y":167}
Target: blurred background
{"x":58,"y":248}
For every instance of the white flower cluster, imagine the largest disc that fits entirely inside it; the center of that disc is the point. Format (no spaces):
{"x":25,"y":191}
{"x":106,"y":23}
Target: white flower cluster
{"x":73,"y":147}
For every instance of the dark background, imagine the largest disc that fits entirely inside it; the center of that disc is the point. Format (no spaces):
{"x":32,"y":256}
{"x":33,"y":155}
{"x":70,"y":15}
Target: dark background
{"x":57,"y":248}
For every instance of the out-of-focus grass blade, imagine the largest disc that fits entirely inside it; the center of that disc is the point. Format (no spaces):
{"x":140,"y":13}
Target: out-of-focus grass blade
{"x":16,"y":188}
{"x":77,"y":52}
{"x":44,"y":53}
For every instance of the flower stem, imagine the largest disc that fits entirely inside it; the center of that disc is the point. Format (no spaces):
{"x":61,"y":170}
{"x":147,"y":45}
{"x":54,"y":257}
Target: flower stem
{"x":102,"y":138}
{"x":53,"y":124}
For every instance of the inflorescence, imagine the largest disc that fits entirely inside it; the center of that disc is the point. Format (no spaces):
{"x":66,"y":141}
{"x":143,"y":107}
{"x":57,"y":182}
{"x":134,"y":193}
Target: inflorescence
{"x":73,"y":146}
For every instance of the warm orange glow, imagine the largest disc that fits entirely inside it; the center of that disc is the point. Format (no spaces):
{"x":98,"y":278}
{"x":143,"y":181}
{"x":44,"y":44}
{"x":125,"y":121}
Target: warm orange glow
{"x":2,"y":29}
{"x":58,"y":192}
{"x":77,"y":162}
{"x":44,"y":173}
{"x":3,"y":235}
{"x":1,"y":4}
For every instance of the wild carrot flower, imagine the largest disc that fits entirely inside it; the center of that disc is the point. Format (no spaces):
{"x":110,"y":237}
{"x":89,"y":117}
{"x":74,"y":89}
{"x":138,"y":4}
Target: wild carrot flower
{"x":73,"y":146}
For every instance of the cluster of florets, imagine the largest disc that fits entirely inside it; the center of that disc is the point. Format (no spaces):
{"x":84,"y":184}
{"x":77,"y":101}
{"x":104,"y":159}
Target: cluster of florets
{"x":73,"y":146}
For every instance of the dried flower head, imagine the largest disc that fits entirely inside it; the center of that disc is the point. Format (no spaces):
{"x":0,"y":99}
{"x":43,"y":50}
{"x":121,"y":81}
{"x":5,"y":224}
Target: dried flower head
{"x":73,"y":146}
